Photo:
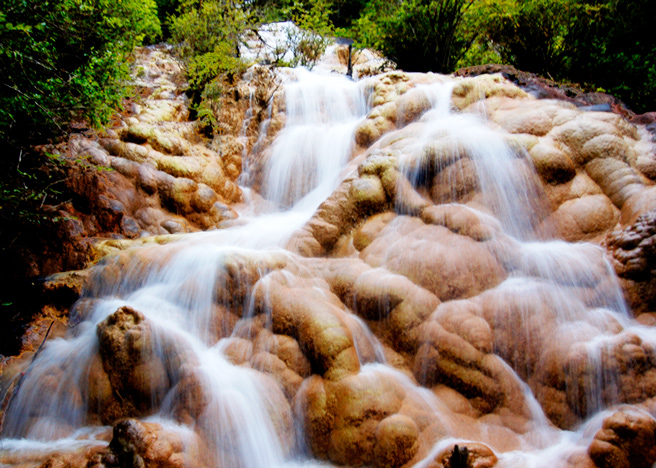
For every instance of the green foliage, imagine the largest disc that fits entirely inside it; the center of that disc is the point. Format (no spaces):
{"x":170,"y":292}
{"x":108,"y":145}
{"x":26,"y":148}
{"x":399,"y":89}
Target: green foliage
{"x":309,"y":42}
{"x":338,"y":13}
{"x":61,"y":60}
{"x":604,"y":44}
{"x":202,"y":69}
{"x":208,"y":107}
{"x":207,"y":33}
{"x":344,"y":13}
{"x":611,"y":45}
{"x":481,"y":51}
{"x":166,"y":9}
{"x":66,"y":59}
{"x":19,"y":201}
{"x":419,"y":35}
{"x":528,"y":34}
{"x":269,"y":11}
{"x":601,"y":44}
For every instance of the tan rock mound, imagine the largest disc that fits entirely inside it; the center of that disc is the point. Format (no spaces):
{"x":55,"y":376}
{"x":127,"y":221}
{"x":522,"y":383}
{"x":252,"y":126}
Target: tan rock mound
{"x":129,"y":377}
{"x":625,"y":440}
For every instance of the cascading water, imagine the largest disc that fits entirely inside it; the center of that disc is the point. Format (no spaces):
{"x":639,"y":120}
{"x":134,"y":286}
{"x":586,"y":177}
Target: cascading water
{"x":177,"y":295}
{"x":193,"y":335}
{"x":549,"y":271}
{"x":317,"y":139}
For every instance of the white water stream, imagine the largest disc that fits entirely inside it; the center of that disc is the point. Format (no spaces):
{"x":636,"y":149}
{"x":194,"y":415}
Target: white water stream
{"x":177,"y":295}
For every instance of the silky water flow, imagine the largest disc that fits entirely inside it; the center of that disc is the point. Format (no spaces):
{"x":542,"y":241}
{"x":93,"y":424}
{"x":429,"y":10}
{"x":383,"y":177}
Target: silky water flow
{"x":180,"y":294}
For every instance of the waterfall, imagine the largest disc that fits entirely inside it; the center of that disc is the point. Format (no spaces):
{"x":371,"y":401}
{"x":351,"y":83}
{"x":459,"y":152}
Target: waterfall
{"x":317,"y":140}
{"x":548,"y":271}
{"x":177,"y":295}
{"x":184,"y":334}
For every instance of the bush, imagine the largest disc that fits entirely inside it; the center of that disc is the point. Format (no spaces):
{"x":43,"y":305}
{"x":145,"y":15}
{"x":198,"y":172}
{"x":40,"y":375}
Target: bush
{"x":611,"y":46}
{"x":602,"y":44}
{"x":166,"y":9}
{"x":528,"y":34}
{"x":419,"y":35}
{"x":66,"y":59}
{"x":61,"y":61}
{"x":309,"y":41}
{"x":208,"y":38}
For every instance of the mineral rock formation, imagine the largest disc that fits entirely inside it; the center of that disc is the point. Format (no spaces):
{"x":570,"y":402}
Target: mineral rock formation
{"x":437,"y":292}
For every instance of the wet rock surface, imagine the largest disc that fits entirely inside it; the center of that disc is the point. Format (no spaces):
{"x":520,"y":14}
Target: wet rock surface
{"x":633,"y":253}
{"x":407,"y":310}
{"x":626,"y":439}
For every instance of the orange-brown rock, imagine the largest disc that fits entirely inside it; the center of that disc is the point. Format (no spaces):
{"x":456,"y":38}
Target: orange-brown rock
{"x":396,"y":441}
{"x":359,"y":404}
{"x":551,"y":163}
{"x":311,"y":316}
{"x":136,"y":444}
{"x":449,"y":265}
{"x":129,"y":359}
{"x":584,"y":218}
{"x":633,"y":251}
{"x":190,"y":395}
{"x":379,"y":295}
{"x":240,"y":272}
{"x":627,"y":439}
{"x":461,"y":220}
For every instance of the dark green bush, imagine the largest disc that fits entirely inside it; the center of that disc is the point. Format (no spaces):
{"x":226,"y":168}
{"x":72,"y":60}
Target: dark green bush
{"x":604,"y":45}
{"x":207,"y":34}
{"x":419,"y":35}
{"x":612,"y":46}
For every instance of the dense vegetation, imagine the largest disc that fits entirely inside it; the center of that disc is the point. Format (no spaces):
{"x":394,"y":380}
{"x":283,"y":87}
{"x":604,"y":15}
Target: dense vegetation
{"x":67,"y":59}
{"x":600,"y":44}
{"x":603,"y":45}
{"x":62,"y":61}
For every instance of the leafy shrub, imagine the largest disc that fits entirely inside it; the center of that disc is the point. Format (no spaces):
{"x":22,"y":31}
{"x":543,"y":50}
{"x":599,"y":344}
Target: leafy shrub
{"x":61,"y":60}
{"x":601,"y":44}
{"x":208,"y":38}
{"x":344,"y":13}
{"x":166,"y":9}
{"x":611,"y":45}
{"x":309,"y":41}
{"x":66,"y":59}
{"x":529,"y":34}
{"x":419,"y":35}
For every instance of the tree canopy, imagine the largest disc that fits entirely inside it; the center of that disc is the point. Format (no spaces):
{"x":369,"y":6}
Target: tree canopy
{"x":62,"y":61}
{"x":67,"y":59}
{"x":603,"y":45}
